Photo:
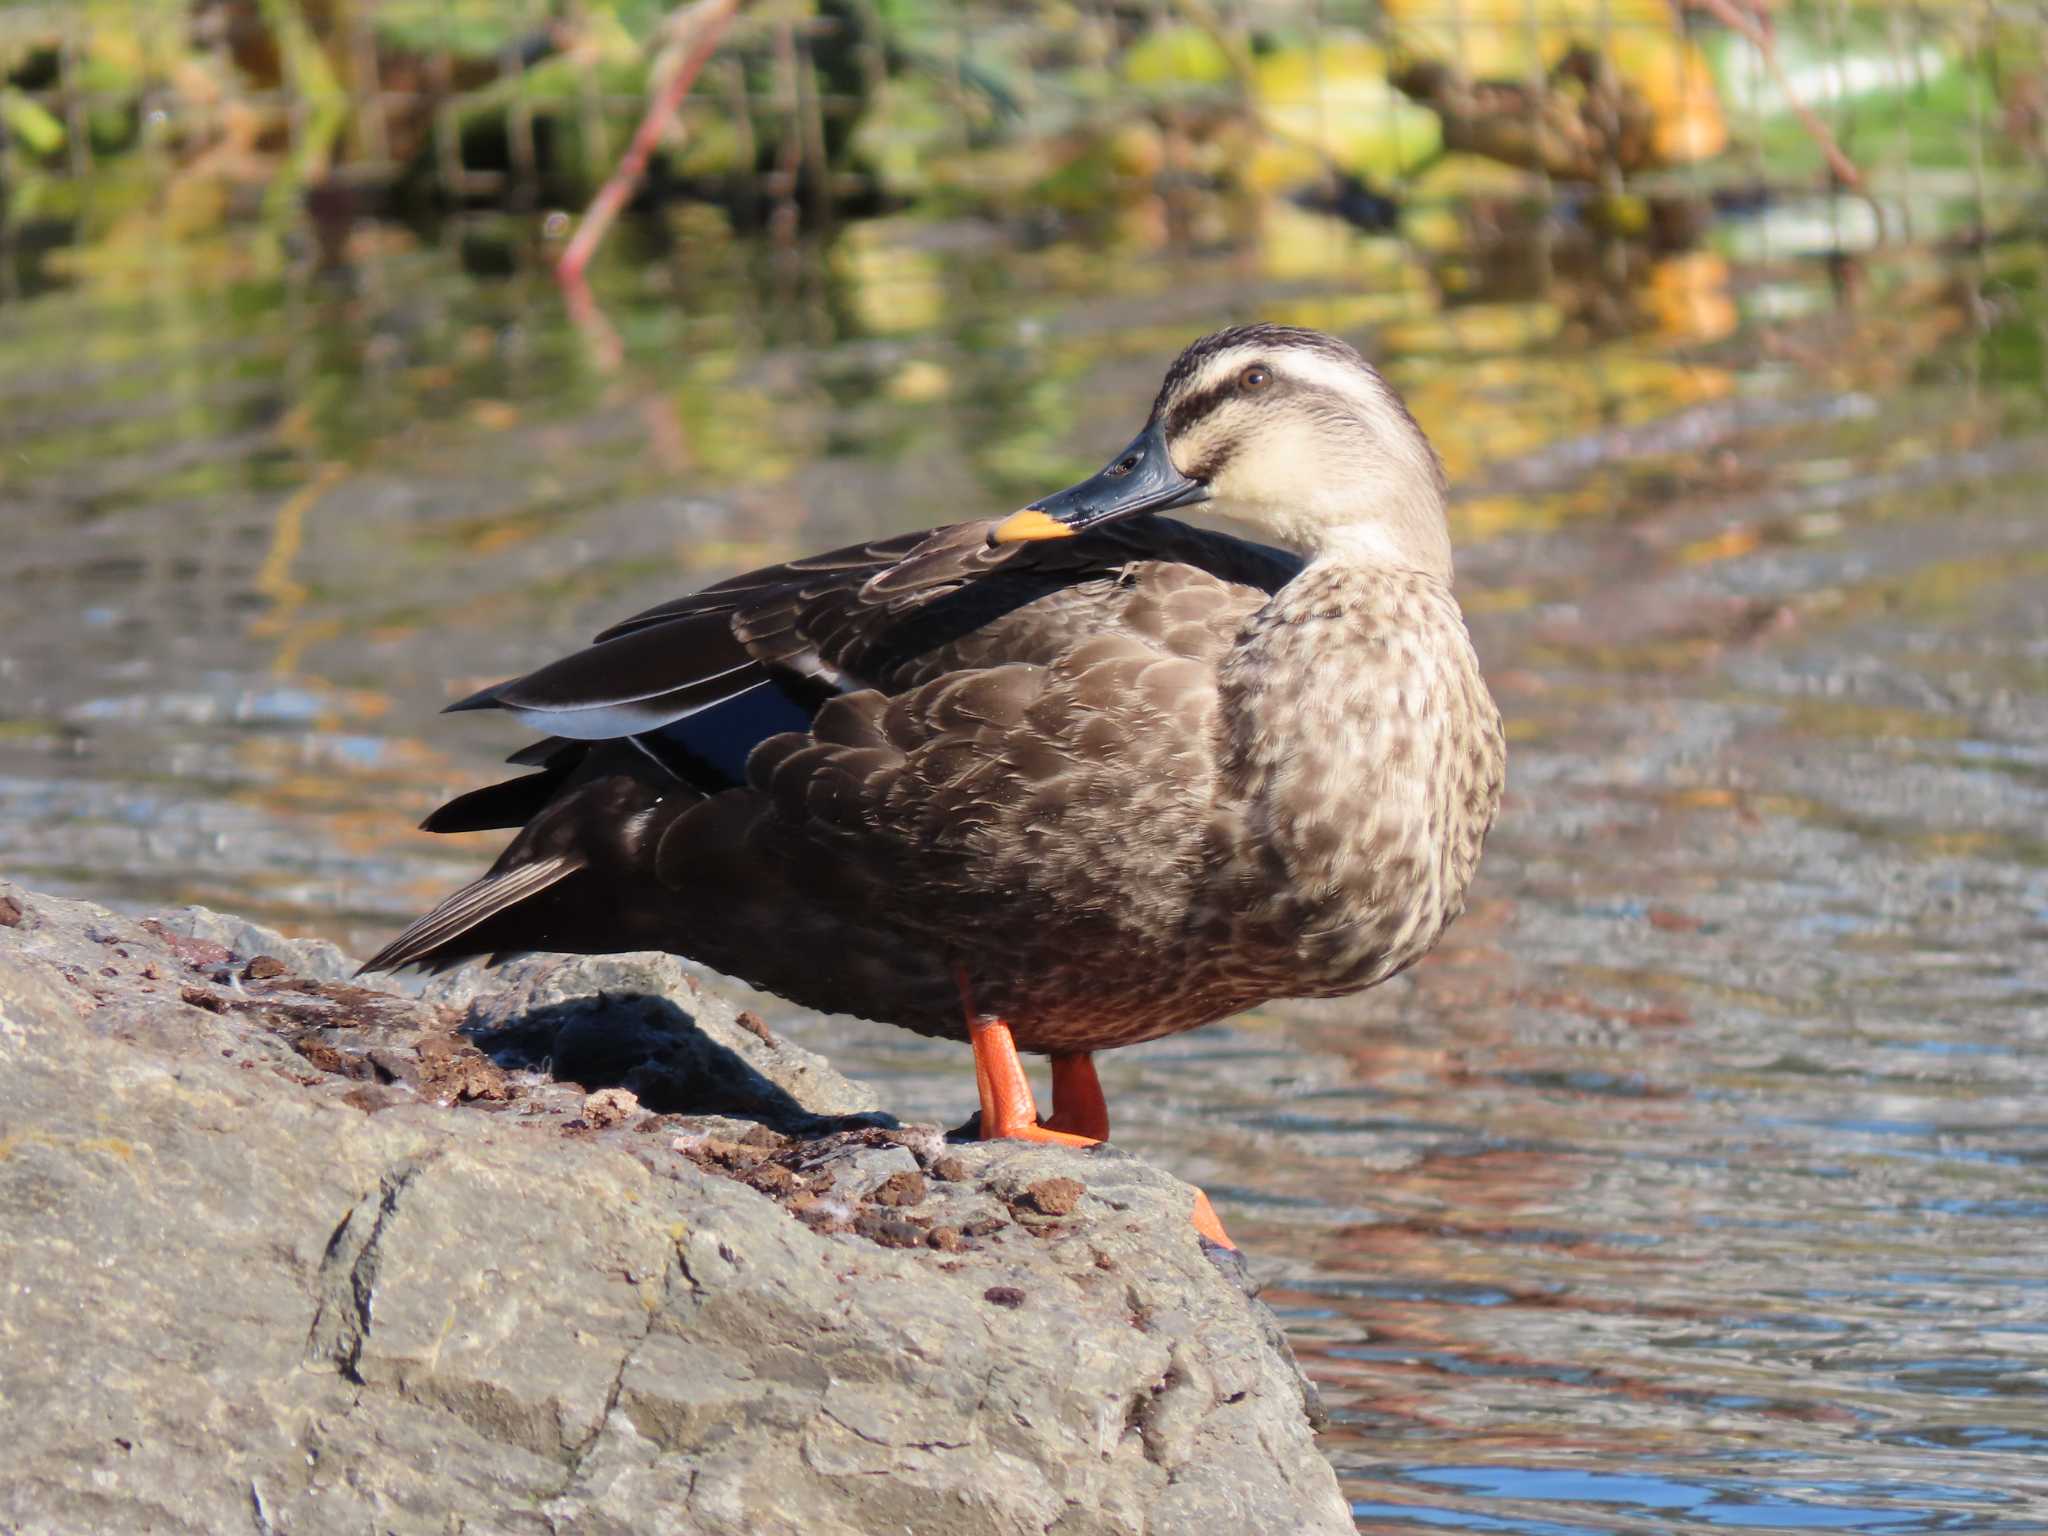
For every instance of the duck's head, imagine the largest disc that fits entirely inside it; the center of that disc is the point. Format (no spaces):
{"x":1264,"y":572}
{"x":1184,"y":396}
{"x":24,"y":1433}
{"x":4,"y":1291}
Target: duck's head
{"x":1287,"y":431}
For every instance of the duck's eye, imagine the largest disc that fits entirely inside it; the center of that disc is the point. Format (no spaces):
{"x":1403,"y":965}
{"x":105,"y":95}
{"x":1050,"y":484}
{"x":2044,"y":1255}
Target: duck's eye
{"x":1253,"y":379}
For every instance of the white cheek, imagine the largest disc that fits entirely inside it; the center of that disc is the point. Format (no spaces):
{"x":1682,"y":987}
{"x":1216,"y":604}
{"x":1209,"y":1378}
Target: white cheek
{"x":1284,"y":470}
{"x":1198,"y":445}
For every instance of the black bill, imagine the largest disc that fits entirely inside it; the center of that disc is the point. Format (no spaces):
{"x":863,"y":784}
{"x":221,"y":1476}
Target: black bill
{"x":1140,"y":479}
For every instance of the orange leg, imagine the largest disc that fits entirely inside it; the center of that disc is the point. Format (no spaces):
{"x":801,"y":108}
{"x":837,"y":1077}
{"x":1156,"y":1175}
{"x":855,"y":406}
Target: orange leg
{"x":1009,"y":1110}
{"x":1007,"y":1107}
{"x":1077,"y":1097}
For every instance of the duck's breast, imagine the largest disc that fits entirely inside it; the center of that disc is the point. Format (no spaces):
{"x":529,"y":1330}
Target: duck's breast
{"x":1368,"y":758}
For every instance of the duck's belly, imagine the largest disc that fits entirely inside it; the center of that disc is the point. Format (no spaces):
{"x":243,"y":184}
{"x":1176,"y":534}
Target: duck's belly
{"x":1165,"y":952}
{"x":1061,"y":986}
{"x":1071,"y":1001}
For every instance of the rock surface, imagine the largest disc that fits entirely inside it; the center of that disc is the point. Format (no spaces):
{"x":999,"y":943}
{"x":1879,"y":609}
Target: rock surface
{"x":571,"y":1246}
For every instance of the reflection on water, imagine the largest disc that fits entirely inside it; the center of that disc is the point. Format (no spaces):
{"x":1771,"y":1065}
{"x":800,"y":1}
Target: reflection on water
{"x":1695,"y":1184}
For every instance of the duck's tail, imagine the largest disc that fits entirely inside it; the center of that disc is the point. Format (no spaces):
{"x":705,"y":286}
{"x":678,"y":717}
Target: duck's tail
{"x":571,"y":880}
{"x":507,"y":911}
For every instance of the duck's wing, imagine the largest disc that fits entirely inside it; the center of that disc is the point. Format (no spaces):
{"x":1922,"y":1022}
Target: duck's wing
{"x":798,"y":625}
{"x":699,"y":681}
{"x":664,"y":710}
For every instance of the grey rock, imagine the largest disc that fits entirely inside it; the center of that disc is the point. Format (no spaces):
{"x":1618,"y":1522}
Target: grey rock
{"x":316,"y":958}
{"x":860,"y":1171}
{"x":592,"y":1019}
{"x":292,"y":1255}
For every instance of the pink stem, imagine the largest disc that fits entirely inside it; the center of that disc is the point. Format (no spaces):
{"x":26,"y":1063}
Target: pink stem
{"x":707,"y":22}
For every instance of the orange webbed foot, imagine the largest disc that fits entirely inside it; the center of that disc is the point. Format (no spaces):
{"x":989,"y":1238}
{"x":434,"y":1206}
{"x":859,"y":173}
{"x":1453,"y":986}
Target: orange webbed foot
{"x":1042,"y":1133}
{"x":1208,"y":1225}
{"x":1008,"y":1110}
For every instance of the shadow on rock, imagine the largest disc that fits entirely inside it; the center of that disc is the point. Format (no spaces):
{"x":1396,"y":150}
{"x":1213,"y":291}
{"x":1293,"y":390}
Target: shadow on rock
{"x":648,"y":1045}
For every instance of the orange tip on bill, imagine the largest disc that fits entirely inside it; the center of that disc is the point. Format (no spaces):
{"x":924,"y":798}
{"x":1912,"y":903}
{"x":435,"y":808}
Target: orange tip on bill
{"x":1029,"y":524}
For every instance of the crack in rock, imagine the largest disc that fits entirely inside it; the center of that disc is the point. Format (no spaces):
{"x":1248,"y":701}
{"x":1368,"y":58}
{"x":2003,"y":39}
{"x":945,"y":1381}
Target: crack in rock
{"x":348,"y":1278}
{"x":895,"y":1445}
{"x":676,"y":1266}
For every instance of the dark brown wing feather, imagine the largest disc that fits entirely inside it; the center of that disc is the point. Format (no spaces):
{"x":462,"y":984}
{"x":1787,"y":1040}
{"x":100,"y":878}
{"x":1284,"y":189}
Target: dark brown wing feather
{"x":512,"y":803}
{"x":879,"y":615}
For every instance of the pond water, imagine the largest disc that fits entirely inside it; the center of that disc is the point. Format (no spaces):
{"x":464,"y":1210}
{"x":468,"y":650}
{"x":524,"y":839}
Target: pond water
{"x":1698,"y":1182}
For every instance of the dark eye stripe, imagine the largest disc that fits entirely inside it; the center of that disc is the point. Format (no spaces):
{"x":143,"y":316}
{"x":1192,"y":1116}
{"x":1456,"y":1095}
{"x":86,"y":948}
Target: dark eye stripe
{"x":1281,"y":337}
{"x":1219,"y":454}
{"x":1183,"y":414}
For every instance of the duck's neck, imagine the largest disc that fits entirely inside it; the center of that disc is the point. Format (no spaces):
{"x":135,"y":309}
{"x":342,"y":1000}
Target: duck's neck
{"x":1395,"y":528}
{"x":1375,"y":546}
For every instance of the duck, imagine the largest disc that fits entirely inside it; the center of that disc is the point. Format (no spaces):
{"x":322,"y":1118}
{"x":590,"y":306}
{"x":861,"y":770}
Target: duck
{"x":1060,"y":781}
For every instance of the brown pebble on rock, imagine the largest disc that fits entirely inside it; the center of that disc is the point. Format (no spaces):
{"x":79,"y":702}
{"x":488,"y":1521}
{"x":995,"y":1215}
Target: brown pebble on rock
{"x":1004,"y":1296}
{"x":761,"y":1136}
{"x":754,"y":1025}
{"x":610,"y":1106}
{"x":264,"y":968}
{"x":823,"y":1218}
{"x":10,"y":912}
{"x":904,"y":1188}
{"x":945,"y":1239}
{"x":335,"y":1063}
{"x":1668,"y":921}
{"x":454,"y":1071}
{"x":951,"y":1168}
{"x":982,"y":1226}
{"x":199,"y":954}
{"x":199,"y":997}
{"x":889,"y":1231}
{"x":771,"y":1179}
{"x":1054,"y":1197}
{"x":733,"y":1156}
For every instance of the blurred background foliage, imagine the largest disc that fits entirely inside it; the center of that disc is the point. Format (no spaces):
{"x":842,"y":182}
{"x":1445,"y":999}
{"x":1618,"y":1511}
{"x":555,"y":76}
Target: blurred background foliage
{"x":1151,"y":117}
{"x":1491,"y":188}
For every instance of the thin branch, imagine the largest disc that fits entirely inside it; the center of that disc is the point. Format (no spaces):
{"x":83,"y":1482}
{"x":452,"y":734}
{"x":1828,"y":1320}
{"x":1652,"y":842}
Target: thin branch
{"x":702,"y":24}
{"x":1748,"y":25}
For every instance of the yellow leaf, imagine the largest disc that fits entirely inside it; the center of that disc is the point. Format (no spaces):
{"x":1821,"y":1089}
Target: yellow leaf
{"x":1334,"y":97}
{"x":1176,"y":56}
